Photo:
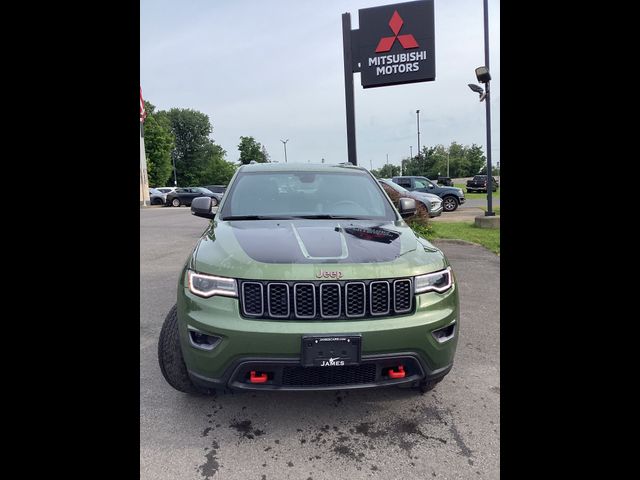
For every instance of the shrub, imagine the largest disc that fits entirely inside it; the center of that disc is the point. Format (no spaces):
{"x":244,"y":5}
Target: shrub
{"x":420,"y":219}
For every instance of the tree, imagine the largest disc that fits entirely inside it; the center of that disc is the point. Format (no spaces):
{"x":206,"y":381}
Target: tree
{"x":475,"y":159}
{"x":215,"y":169}
{"x":463,"y":161}
{"x":387,"y":171}
{"x":250,"y":149}
{"x":158,"y":143}
{"x":191,"y":130}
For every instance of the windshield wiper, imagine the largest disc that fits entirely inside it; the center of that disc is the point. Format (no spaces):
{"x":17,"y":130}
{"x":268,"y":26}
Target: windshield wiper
{"x":330,"y":217}
{"x":256,"y":217}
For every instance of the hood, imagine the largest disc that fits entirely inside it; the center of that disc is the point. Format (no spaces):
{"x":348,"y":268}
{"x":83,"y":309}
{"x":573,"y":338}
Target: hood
{"x":429,"y":196}
{"x":450,"y":189}
{"x":300,"y":249}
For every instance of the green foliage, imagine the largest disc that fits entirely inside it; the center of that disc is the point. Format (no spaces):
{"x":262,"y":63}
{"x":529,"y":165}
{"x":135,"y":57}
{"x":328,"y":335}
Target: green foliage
{"x":158,"y":143}
{"x":191,"y":130}
{"x":387,"y":171}
{"x":424,"y":230}
{"x":250,"y":149}
{"x":494,"y":169}
{"x":463,"y":161}
{"x":182,"y":135}
{"x":216,"y":170}
{"x":487,"y":237}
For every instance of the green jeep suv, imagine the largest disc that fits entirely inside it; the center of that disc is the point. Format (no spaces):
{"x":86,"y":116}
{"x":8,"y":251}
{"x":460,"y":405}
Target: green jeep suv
{"x":308,"y":278}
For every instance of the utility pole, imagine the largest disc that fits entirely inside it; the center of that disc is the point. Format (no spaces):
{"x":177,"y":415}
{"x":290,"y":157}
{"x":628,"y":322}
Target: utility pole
{"x":418,"y":122}
{"x":387,"y":159}
{"x":410,"y":151}
{"x":284,"y":142}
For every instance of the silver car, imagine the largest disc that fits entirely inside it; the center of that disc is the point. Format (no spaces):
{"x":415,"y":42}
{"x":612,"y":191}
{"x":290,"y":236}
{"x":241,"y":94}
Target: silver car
{"x":432,"y":203}
{"x":156,"y":197}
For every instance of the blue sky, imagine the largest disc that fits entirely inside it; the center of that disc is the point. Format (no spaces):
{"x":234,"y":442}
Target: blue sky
{"x":273,"y":70}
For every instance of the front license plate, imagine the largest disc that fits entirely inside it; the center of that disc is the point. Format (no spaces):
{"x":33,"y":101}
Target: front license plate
{"x":331,"y":351}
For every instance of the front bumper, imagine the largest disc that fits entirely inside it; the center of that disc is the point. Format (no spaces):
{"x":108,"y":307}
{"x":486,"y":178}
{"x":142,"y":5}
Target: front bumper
{"x":436,"y":212}
{"x":275,"y":345}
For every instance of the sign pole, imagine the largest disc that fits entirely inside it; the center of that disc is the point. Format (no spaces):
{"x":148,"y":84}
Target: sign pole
{"x":348,"y":88}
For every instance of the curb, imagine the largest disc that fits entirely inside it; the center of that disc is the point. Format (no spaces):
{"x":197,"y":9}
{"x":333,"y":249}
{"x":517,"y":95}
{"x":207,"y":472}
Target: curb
{"x":456,"y":241}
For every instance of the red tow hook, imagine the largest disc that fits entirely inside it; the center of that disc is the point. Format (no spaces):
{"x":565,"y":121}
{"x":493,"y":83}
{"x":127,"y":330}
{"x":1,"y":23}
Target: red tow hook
{"x":399,"y":374}
{"x":253,"y":378}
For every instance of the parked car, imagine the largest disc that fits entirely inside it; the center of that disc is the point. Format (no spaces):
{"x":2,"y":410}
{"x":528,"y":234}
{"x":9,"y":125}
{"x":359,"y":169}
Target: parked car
{"x":452,"y":197}
{"x":445,"y":181}
{"x":156,"y":197}
{"x":184,"y":196}
{"x":479,"y":184}
{"x":166,"y":189}
{"x":319,"y":288}
{"x":216,"y":188}
{"x":432,"y":203}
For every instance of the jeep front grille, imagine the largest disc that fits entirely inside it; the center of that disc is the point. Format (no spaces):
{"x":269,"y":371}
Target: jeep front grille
{"x":326,"y":300}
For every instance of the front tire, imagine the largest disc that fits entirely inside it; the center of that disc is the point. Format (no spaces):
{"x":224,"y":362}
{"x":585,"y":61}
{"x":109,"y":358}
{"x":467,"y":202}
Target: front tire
{"x":175,"y":202}
{"x":449,"y":204}
{"x":170,"y":357}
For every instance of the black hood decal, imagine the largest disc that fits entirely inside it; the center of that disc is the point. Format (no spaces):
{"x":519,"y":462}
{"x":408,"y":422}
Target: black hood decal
{"x":317,"y":241}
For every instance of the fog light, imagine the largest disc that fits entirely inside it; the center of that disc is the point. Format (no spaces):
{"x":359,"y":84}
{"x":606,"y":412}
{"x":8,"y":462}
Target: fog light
{"x":444,"y":334}
{"x":202,"y":340}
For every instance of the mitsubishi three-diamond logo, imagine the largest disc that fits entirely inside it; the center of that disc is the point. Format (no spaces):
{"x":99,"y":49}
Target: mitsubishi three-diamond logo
{"x":396,"y":44}
{"x":407,"y":40}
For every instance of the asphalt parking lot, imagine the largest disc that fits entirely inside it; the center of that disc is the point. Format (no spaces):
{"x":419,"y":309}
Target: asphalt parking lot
{"x":452,"y":432}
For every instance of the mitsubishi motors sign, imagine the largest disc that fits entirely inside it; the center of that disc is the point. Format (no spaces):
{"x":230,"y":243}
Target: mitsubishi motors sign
{"x":396,"y":44}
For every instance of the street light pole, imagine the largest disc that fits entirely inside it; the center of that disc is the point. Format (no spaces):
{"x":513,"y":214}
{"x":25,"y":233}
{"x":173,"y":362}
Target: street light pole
{"x":487,"y":100}
{"x":175,"y":175}
{"x":448,"y":165}
{"x":284,"y":142}
{"x":418,"y":122}
{"x":410,"y":151}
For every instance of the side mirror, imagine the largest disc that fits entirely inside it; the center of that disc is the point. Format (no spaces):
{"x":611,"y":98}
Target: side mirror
{"x":202,"y":207}
{"x":407,"y":207}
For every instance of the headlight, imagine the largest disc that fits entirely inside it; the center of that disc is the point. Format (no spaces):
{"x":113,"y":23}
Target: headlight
{"x":461,"y":192}
{"x":208,"y":285}
{"x":435,"y":282}
{"x":435,"y":204}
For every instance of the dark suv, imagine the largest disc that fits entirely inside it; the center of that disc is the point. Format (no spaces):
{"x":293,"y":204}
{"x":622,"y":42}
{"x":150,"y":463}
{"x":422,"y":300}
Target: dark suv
{"x":216,"y":188}
{"x":451,"y":196}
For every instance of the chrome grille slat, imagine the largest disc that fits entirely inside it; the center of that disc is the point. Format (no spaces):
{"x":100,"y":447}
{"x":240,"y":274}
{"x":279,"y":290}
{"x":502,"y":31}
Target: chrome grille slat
{"x":352,"y":308}
{"x":319,"y":300}
{"x":249,"y":299}
{"x":328,"y":292}
{"x":300,"y":303}
{"x":274,"y":292}
{"x":379,"y":298}
{"x":402,"y":295}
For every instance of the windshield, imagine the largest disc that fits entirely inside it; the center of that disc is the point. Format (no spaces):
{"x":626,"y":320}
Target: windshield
{"x":352,"y":195}
{"x":203,"y":190}
{"x":423,"y":183}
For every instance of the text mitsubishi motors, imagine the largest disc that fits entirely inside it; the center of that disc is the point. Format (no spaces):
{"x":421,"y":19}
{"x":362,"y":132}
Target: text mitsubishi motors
{"x":395,"y":44}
